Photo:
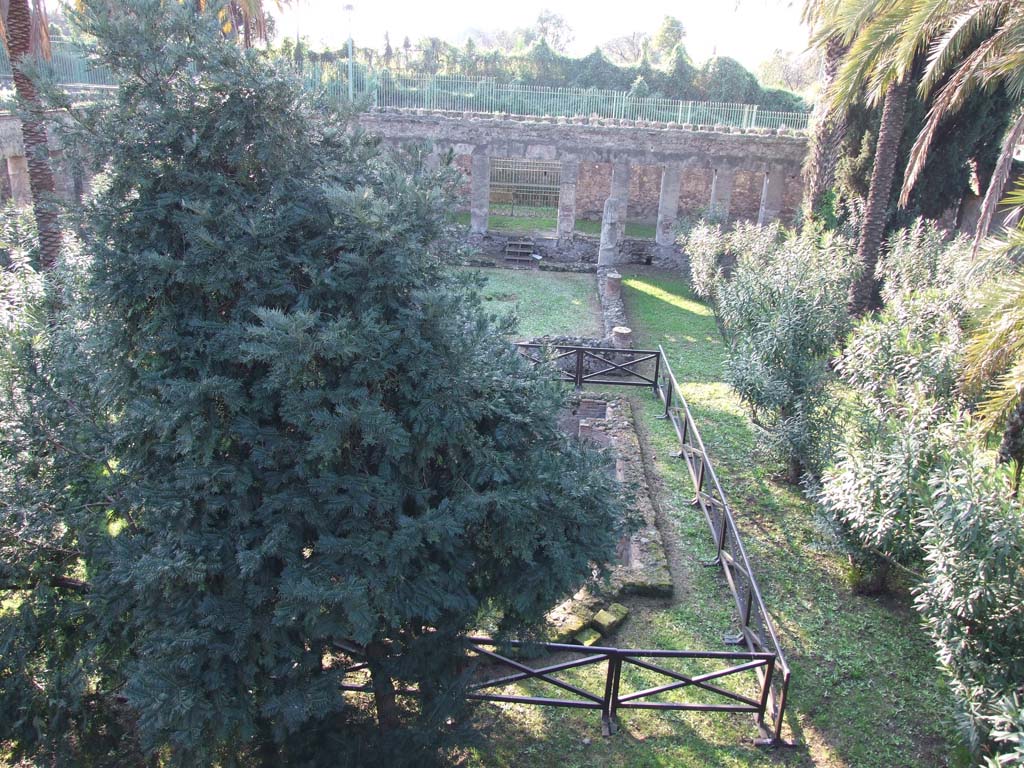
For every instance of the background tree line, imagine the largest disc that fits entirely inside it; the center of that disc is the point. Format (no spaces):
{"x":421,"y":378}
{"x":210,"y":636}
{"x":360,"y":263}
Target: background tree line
{"x":656,"y":65}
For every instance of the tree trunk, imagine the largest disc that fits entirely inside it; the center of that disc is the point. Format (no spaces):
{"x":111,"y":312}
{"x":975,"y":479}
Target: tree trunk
{"x":864,"y":293}
{"x":794,"y":470}
{"x":33,"y":133}
{"x":383,"y":689}
{"x":827,"y":138}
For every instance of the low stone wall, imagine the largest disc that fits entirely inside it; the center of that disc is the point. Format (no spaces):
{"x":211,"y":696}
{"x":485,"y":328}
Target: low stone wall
{"x":581,"y":250}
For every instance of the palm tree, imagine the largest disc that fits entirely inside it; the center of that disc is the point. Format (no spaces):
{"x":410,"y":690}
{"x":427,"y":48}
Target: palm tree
{"x":974,"y":45}
{"x":245,"y":18}
{"x":828,"y":126}
{"x":870,"y":70}
{"x":828,"y":132}
{"x":23,"y":31}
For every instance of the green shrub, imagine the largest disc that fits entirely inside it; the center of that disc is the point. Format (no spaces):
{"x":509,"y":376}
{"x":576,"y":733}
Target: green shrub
{"x":972,"y":598}
{"x":910,"y":486}
{"x":919,"y":258}
{"x":783,"y":313}
{"x":704,"y":244}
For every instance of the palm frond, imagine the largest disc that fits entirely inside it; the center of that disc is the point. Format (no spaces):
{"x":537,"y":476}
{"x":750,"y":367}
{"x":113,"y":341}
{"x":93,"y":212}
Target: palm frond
{"x":1000,"y":175}
{"x":997,"y":345}
{"x":960,"y":86}
{"x":968,"y":28}
{"x":1001,"y":398}
{"x":869,"y":66}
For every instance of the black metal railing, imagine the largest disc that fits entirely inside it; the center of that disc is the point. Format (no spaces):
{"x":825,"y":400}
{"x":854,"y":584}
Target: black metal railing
{"x":757,"y":631}
{"x":489,"y":672}
{"x":619,"y":367}
{"x":597,"y":366}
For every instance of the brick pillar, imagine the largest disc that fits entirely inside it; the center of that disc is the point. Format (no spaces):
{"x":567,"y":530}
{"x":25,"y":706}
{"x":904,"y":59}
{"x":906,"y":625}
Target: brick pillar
{"x":479,"y":191}
{"x":567,"y":201}
{"x":668,"y":204}
{"x":721,"y":191}
{"x":620,"y":191}
{"x":21,"y":189}
{"x":771,"y":195}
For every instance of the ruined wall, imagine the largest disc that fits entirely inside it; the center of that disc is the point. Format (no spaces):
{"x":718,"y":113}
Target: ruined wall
{"x":593,"y":145}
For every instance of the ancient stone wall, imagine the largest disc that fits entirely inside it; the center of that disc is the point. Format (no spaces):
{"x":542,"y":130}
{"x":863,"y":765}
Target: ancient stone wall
{"x":592,"y":147}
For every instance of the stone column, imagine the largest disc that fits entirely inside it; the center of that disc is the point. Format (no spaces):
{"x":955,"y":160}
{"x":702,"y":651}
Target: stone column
{"x":567,"y":201}
{"x":771,"y":195}
{"x":609,"y":251}
{"x":721,"y":191}
{"x":668,"y":204}
{"x":479,"y":191}
{"x":21,"y":189}
{"x":620,"y":191}
{"x":613,"y":286}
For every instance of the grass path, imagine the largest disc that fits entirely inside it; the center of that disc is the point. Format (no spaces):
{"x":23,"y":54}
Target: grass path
{"x":865,"y":692}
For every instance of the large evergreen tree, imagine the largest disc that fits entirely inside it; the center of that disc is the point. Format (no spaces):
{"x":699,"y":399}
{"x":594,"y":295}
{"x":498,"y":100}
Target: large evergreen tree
{"x":313,"y":435}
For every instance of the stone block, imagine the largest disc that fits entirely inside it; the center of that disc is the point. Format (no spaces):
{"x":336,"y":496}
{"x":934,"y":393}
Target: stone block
{"x":588,"y":637}
{"x":569,"y":626}
{"x":609,"y":619}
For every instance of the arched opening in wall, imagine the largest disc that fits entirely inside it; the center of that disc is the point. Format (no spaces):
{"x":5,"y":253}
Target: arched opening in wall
{"x":525,"y":189}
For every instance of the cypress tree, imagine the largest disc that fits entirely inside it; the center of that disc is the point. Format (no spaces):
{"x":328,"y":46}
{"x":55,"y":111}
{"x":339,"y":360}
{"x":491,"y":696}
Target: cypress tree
{"x":317,"y":436}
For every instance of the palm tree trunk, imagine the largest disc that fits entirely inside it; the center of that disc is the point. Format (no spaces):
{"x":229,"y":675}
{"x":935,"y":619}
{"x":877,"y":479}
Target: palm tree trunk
{"x":864,"y":293}
{"x":827,"y":138}
{"x":33,"y":133}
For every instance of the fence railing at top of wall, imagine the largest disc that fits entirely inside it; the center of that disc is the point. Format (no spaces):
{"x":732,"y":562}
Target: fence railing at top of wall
{"x":468,"y":94}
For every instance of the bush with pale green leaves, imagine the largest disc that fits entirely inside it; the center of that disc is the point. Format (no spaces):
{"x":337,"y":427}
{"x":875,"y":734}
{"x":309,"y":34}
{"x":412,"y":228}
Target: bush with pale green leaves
{"x":783,"y":312}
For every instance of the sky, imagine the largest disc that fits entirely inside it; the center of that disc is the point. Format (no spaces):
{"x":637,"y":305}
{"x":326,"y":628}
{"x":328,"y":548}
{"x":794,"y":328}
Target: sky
{"x":747,"y":30}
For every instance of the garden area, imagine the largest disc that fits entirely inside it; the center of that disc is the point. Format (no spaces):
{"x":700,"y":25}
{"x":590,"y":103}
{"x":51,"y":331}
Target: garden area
{"x":865,"y":691}
{"x":277,"y":488}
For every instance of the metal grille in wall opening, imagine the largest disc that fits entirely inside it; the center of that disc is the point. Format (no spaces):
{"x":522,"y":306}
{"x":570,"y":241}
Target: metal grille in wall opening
{"x":524,"y":187}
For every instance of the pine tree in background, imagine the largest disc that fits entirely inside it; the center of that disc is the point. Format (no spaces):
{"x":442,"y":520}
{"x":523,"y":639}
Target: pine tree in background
{"x":315,"y":434}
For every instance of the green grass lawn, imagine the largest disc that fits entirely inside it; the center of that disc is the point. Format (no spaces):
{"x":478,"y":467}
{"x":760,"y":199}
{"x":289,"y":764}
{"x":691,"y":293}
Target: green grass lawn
{"x":555,"y":303}
{"x":545,"y":224}
{"x":865,"y":692}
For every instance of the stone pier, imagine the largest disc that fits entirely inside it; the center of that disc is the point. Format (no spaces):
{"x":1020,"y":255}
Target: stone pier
{"x":608,"y":253}
{"x":620,"y":191}
{"x":668,"y":204}
{"x":479,"y":191}
{"x":771,"y":195}
{"x":567,"y":201}
{"x":17,"y":170}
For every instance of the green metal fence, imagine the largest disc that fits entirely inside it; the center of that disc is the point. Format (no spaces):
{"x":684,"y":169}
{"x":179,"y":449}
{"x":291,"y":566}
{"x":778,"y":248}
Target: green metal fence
{"x":452,"y":93}
{"x":524,"y":187}
{"x":465,"y":94}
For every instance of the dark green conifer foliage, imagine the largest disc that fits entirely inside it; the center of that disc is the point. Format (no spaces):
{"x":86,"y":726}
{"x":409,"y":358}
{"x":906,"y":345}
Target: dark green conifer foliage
{"x":318,"y":435}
